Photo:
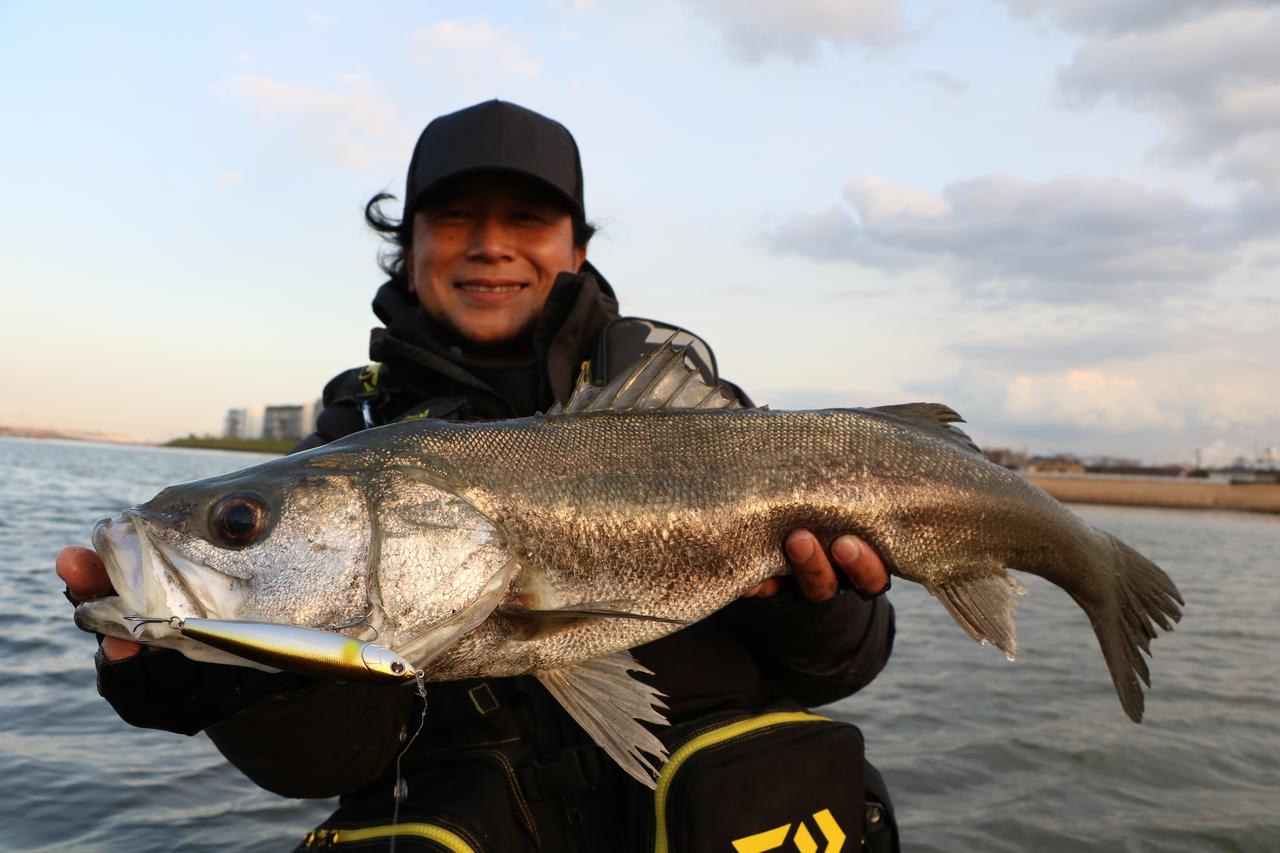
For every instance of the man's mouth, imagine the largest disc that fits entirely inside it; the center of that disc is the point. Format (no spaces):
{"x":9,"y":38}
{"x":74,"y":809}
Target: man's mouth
{"x":490,"y":286}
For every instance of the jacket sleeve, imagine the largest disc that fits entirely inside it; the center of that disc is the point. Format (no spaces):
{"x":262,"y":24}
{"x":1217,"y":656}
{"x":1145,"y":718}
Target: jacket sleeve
{"x":322,"y":740}
{"x":162,"y":689}
{"x":816,"y":652}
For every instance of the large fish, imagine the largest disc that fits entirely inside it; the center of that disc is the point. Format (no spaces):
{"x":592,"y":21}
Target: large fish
{"x":550,"y":545}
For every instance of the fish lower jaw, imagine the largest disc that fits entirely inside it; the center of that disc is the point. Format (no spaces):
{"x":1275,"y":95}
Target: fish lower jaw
{"x":105,"y":616}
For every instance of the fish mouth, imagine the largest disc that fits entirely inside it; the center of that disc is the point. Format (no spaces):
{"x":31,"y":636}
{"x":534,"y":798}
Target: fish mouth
{"x":144,"y":579}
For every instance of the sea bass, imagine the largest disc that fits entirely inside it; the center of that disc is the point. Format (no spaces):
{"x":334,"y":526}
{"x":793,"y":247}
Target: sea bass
{"x":550,"y":545}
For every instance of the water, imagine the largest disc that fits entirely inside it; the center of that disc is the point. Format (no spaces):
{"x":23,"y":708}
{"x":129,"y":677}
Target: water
{"x":979,"y":753}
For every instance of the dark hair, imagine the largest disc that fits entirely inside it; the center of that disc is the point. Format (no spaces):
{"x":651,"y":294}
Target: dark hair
{"x":398,"y":235}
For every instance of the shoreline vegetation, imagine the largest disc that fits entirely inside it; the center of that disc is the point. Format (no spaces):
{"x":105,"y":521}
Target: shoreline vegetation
{"x":248,"y":445}
{"x":1168,"y":492}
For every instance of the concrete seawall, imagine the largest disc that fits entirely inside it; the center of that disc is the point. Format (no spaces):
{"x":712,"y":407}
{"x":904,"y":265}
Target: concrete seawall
{"x":1179,"y":493}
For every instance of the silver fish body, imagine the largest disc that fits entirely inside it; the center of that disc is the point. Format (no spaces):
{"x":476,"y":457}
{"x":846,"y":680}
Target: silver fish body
{"x":550,"y":544}
{"x":678,"y":512}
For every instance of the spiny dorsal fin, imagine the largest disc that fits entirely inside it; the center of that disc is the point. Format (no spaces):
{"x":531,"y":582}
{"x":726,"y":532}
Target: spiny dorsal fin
{"x":609,"y":703}
{"x":664,"y":379}
{"x":934,"y":418}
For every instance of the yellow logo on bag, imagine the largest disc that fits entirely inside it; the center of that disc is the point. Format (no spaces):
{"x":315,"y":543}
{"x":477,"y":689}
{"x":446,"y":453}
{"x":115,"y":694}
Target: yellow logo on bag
{"x":774,"y":839}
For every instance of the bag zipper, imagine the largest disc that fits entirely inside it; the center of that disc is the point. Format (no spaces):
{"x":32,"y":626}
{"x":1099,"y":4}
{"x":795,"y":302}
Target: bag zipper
{"x":446,"y":838}
{"x":713,"y":737}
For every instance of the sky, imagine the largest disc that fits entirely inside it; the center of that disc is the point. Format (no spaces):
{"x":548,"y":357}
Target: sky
{"x":1057,"y":216}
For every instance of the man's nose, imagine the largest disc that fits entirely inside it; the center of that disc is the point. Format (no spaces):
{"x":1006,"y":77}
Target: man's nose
{"x":490,"y":240}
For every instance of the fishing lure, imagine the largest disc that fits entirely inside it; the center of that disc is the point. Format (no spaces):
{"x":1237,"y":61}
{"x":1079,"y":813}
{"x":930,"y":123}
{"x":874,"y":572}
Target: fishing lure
{"x":306,"y":651}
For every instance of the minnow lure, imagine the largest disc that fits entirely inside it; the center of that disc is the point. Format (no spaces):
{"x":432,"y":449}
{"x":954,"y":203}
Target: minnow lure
{"x":306,"y":651}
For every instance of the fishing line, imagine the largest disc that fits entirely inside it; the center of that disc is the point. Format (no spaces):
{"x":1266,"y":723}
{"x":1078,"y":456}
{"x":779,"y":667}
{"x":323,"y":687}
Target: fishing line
{"x":401,"y":789}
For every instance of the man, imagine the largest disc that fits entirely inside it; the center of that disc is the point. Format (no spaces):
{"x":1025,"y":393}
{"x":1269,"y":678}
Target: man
{"x":491,"y":311}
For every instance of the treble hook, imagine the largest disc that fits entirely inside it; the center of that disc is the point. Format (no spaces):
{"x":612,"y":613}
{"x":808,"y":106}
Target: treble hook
{"x":359,"y":620}
{"x":174,"y":622}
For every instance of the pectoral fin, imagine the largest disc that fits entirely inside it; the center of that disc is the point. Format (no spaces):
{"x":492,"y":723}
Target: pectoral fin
{"x":609,"y":703}
{"x":535,"y":623}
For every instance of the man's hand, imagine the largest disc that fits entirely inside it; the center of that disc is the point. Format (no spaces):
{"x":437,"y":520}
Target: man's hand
{"x":814,"y":573}
{"x":86,"y":579}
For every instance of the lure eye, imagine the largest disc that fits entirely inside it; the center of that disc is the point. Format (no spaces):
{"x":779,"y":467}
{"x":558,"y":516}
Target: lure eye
{"x":397,"y":667}
{"x":238,"y":519}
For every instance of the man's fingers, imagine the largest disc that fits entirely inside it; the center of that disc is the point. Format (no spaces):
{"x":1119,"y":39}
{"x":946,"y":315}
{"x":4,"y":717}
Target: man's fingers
{"x":764,"y":589}
{"x":813,"y":572}
{"x":81,"y":569}
{"x":114,"y":648}
{"x":861,"y":563}
{"x":86,"y":578}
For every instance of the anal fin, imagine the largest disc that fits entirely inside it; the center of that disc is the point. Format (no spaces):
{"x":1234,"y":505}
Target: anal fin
{"x":984,"y":606}
{"x":609,"y":703}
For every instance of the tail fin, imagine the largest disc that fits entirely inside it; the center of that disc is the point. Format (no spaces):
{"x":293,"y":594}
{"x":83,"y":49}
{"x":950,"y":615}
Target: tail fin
{"x":1142,"y":594}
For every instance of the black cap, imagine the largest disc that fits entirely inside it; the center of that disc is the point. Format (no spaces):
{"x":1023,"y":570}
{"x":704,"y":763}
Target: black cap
{"x":496,"y":135}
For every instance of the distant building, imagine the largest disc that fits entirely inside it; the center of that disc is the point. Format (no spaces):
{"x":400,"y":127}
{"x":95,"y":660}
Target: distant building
{"x":1006,"y":457}
{"x":282,"y":423}
{"x":253,"y":423}
{"x":237,"y":424}
{"x":1063,"y":463}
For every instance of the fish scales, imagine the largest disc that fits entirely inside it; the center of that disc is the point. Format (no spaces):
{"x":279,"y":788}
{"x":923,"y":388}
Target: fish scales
{"x":679,"y":512}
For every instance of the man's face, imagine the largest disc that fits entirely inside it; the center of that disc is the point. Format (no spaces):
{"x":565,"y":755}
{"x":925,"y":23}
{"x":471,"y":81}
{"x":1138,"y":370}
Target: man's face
{"x":486,"y":250}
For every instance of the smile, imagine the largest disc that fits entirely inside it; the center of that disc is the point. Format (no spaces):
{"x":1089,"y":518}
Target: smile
{"x":489,"y":287}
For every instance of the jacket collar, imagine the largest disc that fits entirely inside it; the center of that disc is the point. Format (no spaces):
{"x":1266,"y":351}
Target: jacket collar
{"x":578,"y":307}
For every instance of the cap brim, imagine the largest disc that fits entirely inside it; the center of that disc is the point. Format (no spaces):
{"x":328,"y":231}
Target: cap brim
{"x":567,"y":201}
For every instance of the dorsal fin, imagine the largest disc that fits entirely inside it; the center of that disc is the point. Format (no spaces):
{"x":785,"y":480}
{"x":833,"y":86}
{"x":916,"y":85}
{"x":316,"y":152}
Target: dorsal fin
{"x":934,"y":418}
{"x":664,"y":379}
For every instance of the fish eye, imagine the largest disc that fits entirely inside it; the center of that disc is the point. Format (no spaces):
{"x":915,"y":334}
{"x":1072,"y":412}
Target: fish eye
{"x":238,"y":519}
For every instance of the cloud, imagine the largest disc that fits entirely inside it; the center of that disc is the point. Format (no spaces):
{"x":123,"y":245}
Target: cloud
{"x":450,"y":45}
{"x":1075,"y":239}
{"x":756,"y":30}
{"x":1050,"y":352}
{"x":350,"y":123}
{"x":227,"y":179}
{"x":1109,"y":17}
{"x":1088,"y":399}
{"x":1153,"y":386}
{"x":1208,"y":68}
{"x":319,"y":19}
{"x":946,"y":82}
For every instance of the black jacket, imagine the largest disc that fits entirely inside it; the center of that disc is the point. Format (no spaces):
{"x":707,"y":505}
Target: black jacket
{"x":306,"y":738}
